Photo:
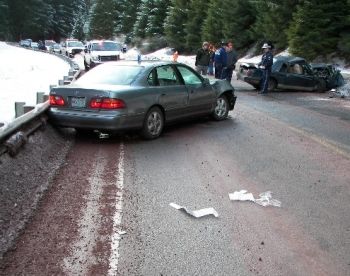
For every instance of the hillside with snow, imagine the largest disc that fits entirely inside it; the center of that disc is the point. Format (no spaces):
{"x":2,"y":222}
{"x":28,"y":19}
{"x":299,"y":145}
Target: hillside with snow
{"x":22,"y":74}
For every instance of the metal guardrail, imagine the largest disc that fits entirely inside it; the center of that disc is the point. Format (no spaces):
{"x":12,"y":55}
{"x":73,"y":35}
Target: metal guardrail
{"x":8,"y":129}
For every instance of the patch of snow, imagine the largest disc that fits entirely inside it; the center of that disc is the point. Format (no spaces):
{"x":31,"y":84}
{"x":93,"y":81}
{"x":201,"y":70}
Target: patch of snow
{"x":23,"y":74}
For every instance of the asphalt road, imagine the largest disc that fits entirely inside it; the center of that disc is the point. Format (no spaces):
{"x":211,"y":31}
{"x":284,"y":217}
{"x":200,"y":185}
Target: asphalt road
{"x":296,"y":145}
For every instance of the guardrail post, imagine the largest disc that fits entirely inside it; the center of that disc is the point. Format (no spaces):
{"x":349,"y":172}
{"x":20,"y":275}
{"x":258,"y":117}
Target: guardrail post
{"x":19,"y":109}
{"x":40,"y":97}
{"x":27,"y":108}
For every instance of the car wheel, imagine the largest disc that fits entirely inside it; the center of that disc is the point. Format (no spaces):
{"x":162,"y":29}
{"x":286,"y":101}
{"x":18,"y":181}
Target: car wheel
{"x":321,"y":86}
{"x":153,"y":124}
{"x":272,"y":85}
{"x":221,"y":109}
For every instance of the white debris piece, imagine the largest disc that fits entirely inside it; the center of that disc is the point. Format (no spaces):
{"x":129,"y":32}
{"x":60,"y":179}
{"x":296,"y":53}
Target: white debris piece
{"x":265,"y":199}
{"x":120,"y":232}
{"x":196,"y":213}
{"x":241,"y":195}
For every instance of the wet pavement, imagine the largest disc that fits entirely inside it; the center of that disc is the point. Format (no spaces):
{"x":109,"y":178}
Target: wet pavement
{"x":296,"y":145}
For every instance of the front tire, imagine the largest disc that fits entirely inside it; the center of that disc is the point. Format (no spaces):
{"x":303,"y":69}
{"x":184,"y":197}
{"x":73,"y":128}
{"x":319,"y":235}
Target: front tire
{"x":153,"y":124}
{"x":221,"y":109}
{"x":272,"y":85}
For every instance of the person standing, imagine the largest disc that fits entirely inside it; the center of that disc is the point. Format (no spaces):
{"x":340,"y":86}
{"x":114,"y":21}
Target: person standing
{"x":231,"y":62}
{"x":202,"y":59}
{"x":220,"y":61}
{"x":211,"y":61}
{"x":266,"y":66}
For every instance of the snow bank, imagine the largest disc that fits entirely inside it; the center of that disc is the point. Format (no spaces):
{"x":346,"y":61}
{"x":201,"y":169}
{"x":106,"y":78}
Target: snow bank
{"x":162,"y":54}
{"x":22,"y":74}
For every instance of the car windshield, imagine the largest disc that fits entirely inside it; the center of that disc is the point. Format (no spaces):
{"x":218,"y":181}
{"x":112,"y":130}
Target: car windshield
{"x":106,"y":46}
{"x":111,"y":75}
{"x":75,"y":44}
{"x":49,"y":43}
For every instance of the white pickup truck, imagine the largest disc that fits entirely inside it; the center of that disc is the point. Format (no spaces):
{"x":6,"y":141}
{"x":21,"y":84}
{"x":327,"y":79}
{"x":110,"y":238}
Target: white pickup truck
{"x":100,"y":51}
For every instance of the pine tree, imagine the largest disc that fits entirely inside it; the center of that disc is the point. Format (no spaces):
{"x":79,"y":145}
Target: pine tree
{"x":139,"y":29}
{"x":175,"y":24}
{"x":197,"y":13}
{"x":4,"y":20}
{"x":273,"y":19}
{"x":103,"y":19}
{"x":158,"y":12}
{"x":127,"y":16}
{"x":241,"y":17}
{"x":213,"y":24}
{"x":317,"y":26}
{"x":63,"y":19}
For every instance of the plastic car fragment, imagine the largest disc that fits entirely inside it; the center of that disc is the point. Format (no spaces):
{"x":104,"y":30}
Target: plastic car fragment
{"x":196,"y":213}
{"x":265,"y":199}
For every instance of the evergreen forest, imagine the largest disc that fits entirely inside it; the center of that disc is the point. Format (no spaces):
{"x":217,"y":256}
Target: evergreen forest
{"x":310,"y":28}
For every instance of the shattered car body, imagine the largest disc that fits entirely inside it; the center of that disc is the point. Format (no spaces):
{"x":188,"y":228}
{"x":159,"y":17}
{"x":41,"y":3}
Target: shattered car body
{"x":329,"y":73}
{"x":292,"y":73}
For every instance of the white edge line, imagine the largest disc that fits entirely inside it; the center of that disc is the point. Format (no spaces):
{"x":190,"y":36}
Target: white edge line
{"x":117,"y":218}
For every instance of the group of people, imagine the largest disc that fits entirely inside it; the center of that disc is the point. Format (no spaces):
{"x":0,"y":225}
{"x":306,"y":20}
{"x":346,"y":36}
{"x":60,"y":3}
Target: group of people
{"x":221,"y":62}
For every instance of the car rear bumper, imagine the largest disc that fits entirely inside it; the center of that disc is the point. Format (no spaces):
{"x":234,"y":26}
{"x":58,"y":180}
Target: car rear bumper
{"x":92,"y":120}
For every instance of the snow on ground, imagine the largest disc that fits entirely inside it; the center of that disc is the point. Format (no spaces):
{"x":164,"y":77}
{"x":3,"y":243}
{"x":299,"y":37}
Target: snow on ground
{"x":162,"y":54}
{"x":22,"y":74}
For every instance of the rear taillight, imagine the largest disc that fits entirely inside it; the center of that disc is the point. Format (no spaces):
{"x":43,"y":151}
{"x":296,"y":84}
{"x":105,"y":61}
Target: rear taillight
{"x":107,"y":103}
{"x":56,"y":100}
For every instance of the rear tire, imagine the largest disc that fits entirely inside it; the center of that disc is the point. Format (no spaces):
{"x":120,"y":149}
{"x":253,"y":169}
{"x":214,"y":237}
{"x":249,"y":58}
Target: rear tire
{"x":153,"y":124}
{"x":221,"y":109}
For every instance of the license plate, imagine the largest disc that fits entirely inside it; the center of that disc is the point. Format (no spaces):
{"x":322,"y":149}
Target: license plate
{"x":78,"y":102}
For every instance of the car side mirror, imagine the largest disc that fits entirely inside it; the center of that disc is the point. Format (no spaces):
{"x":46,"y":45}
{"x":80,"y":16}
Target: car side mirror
{"x":206,"y":82}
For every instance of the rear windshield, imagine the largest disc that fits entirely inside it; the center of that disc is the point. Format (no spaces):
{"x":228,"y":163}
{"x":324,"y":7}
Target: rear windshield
{"x":111,"y":75}
{"x":106,"y":46}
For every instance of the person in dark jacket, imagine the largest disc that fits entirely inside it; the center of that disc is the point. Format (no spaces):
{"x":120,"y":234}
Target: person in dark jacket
{"x":266,"y":66}
{"x":220,"y":61}
{"x":231,"y":62}
{"x":202,"y":59}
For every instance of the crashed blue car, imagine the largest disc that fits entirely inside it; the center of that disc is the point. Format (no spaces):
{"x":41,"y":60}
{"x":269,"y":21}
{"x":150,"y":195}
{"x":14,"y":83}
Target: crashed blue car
{"x":293,"y":73}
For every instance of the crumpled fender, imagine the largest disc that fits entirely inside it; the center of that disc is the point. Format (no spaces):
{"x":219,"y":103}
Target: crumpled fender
{"x":221,"y":86}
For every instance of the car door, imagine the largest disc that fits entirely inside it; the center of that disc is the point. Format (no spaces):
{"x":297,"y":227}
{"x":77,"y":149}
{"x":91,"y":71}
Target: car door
{"x":173,"y":95}
{"x":201,"y":96}
{"x":300,"y":79}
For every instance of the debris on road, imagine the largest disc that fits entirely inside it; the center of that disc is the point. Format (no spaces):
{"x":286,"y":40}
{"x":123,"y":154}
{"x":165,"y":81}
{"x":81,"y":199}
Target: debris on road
{"x":242,"y":196}
{"x":265,"y":199}
{"x":120,"y":232}
{"x":196,"y":213}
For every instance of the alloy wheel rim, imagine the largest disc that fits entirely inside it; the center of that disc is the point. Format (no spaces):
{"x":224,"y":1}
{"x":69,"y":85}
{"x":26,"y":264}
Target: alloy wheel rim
{"x":221,"y":107}
{"x":154,"y":123}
